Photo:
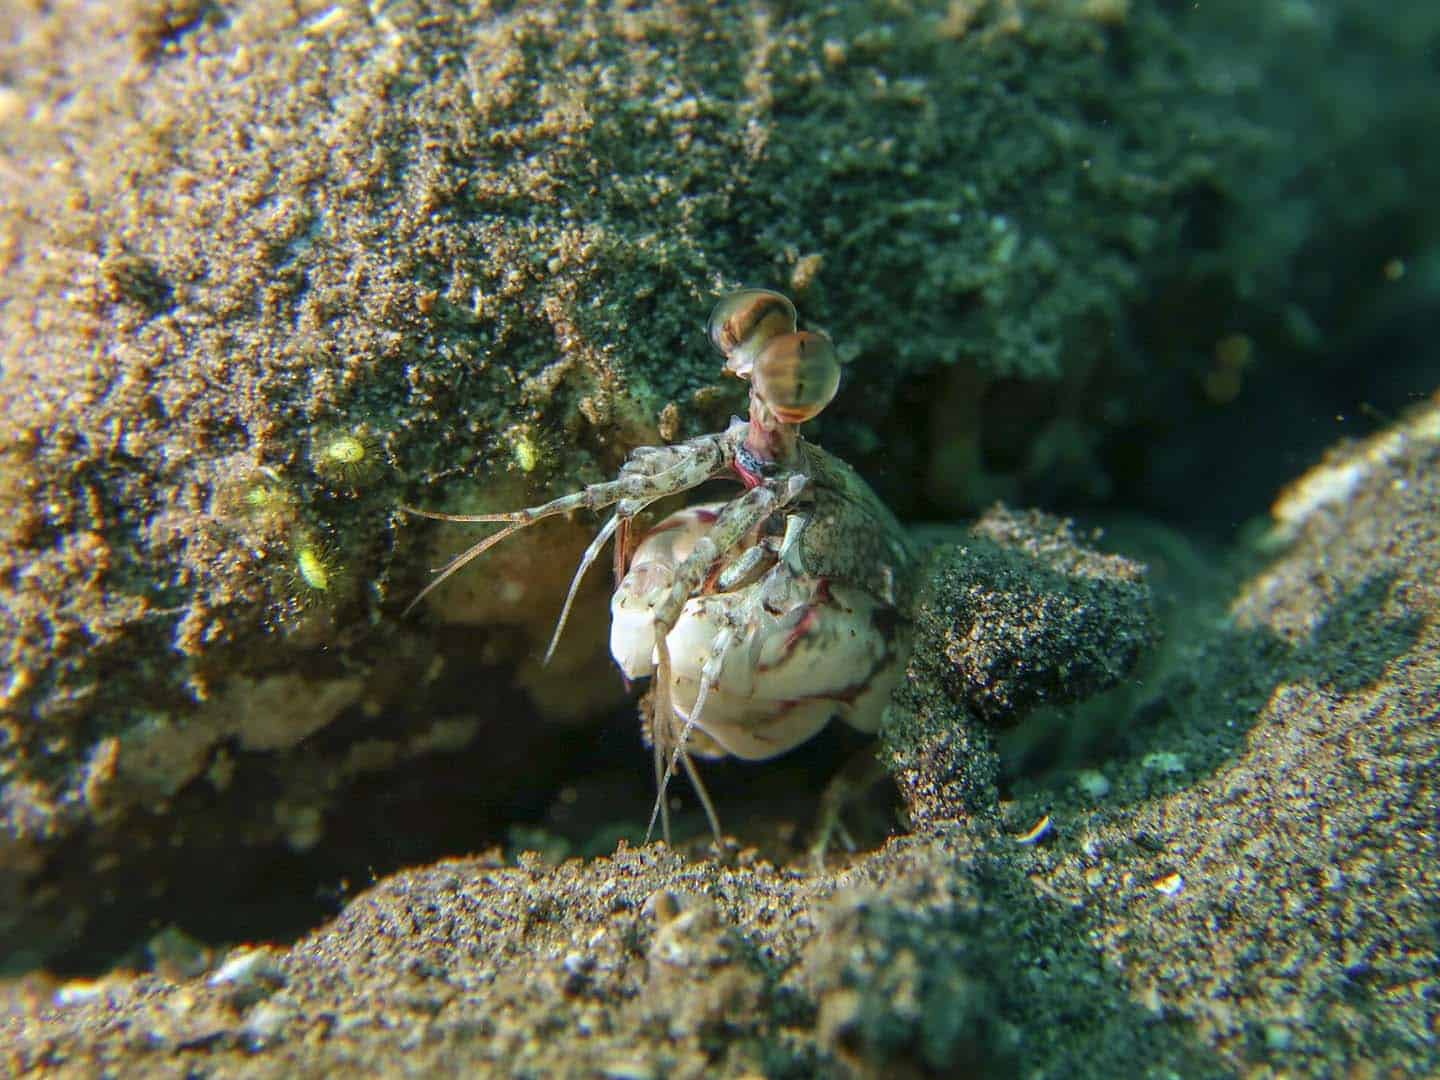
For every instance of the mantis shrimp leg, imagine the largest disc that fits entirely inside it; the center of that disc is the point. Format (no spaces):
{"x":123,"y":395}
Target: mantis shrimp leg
{"x":724,"y":541}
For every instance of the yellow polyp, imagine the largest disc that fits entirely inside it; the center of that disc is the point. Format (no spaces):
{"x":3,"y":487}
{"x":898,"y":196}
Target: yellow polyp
{"x":262,"y":498}
{"x":348,"y":457}
{"x":525,"y":453}
{"x":261,"y":502}
{"x":346,"y":451}
{"x":310,"y":565}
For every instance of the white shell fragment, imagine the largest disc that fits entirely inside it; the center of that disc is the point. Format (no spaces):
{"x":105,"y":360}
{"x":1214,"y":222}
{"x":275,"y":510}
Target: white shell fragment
{"x":1168,"y":885}
{"x":1036,"y":832}
{"x":243,"y":967}
{"x":78,"y":992}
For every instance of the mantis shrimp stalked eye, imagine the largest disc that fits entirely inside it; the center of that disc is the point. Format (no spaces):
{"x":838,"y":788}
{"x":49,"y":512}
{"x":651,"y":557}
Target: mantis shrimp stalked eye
{"x":743,"y":322}
{"x":797,"y":375}
{"x":760,"y":618}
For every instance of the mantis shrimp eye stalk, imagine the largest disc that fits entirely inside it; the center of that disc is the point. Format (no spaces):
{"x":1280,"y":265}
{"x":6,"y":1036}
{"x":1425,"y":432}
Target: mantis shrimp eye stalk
{"x":744,"y":322}
{"x":797,"y":376}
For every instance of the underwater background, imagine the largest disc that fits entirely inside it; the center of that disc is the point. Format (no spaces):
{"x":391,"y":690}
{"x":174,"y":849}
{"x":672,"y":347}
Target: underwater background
{"x":1164,"y":782}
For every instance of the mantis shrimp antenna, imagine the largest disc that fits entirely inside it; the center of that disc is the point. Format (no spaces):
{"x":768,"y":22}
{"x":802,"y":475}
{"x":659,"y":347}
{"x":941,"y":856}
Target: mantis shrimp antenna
{"x":459,"y":562}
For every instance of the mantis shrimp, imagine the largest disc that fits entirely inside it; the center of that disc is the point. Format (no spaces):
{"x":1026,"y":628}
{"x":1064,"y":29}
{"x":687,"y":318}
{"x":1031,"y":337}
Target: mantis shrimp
{"x":758,"y":618}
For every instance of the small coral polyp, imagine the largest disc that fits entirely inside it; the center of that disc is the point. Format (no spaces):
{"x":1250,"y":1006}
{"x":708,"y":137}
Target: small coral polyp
{"x":316,"y":574}
{"x":345,"y":458}
{"x":312,"y":568}
{"x":530,"y":448}
{"x":260,"y":503}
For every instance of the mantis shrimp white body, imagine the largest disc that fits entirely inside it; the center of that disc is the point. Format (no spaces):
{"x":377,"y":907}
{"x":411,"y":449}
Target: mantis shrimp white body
{"x":760,"y":618}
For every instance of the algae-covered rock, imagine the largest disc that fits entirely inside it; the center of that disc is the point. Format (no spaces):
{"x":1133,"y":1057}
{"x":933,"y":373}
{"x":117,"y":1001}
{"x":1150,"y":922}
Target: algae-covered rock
{"x":273,"y":270}
{"x":1019,"y":615}
{"x":1034,"y":617}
